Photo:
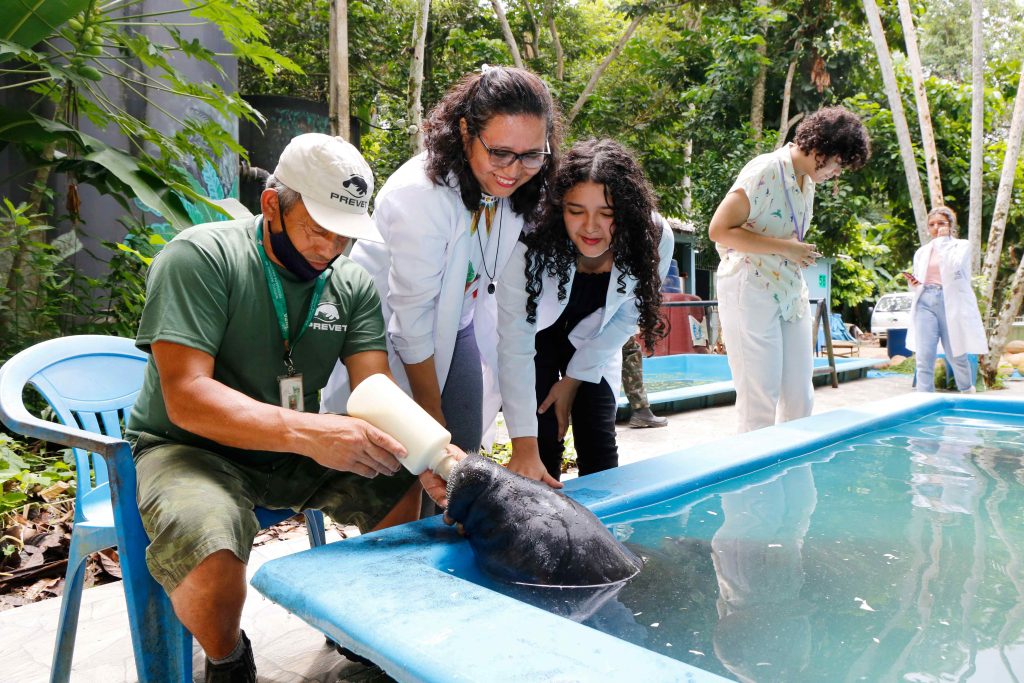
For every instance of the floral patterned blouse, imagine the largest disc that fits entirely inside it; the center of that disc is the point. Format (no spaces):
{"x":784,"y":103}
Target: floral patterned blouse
{"x":767,"y":181}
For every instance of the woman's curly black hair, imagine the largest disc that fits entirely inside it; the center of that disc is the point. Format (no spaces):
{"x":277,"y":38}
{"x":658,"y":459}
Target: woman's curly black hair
{"x":634,"y":243}
{"x":834,"y":132}
{"x":478,"y":98}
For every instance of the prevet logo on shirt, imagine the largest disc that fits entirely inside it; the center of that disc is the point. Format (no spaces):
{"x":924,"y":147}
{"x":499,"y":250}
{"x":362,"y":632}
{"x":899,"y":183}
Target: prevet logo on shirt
{"x":326,"y":318}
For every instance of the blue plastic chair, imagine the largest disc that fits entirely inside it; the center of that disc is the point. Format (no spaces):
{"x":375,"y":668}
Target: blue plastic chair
{"x":91,"y":383}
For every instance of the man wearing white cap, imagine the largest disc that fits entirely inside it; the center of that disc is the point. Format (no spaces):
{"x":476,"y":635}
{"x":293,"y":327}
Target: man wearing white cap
{"x":244,"y":321}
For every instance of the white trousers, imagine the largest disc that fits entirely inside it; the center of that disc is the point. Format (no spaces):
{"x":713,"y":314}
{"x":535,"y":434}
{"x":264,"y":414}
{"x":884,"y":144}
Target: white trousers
{"x":771,"y":359}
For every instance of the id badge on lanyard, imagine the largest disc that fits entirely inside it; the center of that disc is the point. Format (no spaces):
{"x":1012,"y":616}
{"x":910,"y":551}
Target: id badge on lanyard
{"x":290,"y":384}
{"x":291,"y":392}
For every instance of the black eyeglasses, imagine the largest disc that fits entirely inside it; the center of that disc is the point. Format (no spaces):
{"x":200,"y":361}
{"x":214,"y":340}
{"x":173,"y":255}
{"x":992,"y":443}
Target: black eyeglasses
{"x":506,"y":157}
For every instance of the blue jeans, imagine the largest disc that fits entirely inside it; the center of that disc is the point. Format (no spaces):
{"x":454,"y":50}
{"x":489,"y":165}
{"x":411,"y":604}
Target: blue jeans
{"x":931,"y":327}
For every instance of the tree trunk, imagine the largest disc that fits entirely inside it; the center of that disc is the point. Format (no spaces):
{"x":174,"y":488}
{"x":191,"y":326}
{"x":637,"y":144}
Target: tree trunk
{"x":899,"y":119}
{"x":506,"y":30}
{"x":536,"y":28}
{"x":599,"y":71}
{"x":997,"y":229}
{"x":687,"y":181}
{"x":757,"y":97}
{"x":787,"y":93}
{"x":556,"y":41}
{"x":924,"y":115}
{"x":415,"y":105}
{"x":977,"y":138}
{"x":338,"y":59}
{"x":997,"y":342}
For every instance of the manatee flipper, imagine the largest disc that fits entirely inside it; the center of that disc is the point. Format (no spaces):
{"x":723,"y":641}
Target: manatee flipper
{"x":525,"y":532}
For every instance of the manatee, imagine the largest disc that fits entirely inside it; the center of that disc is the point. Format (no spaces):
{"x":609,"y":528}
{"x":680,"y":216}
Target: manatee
{"x":525,"y":532}
{"x":357,"y":183}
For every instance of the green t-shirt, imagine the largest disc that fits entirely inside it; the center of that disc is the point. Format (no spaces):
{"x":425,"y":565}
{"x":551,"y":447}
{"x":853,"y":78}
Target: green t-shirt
{"x":207,"y":290}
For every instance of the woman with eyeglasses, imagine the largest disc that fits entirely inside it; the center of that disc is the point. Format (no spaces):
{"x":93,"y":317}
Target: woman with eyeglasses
{"x":945,"y":307}
{"x":586,"y":275}
{"x":760,"y":231}
{"x":450,"y":218}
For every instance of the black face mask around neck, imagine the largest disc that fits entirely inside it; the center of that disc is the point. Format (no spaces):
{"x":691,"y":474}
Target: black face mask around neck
{"x":289,"y":256}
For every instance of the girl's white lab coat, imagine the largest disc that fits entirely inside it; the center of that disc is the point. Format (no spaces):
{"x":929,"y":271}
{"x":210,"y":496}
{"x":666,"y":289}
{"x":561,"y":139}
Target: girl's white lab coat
{"x":420,"y":273}
{"x":966,"y":331}
{"x":598,"y":338}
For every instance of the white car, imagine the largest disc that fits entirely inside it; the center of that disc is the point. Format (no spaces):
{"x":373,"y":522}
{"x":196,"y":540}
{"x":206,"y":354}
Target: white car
{"x":892,"y":311}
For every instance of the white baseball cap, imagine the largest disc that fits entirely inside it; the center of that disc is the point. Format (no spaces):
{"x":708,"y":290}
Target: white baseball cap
{"x":335,"y":182}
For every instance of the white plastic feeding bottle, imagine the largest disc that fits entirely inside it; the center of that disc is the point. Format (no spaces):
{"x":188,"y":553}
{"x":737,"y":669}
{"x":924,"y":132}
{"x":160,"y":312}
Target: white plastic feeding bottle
{"x":383,"y":404}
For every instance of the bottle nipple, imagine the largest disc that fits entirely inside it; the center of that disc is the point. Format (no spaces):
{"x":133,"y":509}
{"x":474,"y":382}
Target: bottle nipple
{"x":443,"y":465}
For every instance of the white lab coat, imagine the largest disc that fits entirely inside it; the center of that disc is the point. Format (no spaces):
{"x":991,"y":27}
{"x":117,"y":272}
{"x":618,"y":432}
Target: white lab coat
{"x":966,"y":331}
{"x":598,"y":338}
{"x":420,"y":273}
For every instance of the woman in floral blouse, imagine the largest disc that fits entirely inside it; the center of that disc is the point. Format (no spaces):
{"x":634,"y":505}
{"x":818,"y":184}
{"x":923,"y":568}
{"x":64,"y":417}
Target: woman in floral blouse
{"x":760,"y":229}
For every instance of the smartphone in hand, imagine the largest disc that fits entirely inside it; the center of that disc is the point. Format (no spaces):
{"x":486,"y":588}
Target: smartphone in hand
{"x":910,"y":277}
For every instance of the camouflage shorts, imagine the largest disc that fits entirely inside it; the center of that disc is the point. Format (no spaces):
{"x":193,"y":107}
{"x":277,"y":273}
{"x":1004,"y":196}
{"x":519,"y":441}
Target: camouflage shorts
{"x":195,"y":502}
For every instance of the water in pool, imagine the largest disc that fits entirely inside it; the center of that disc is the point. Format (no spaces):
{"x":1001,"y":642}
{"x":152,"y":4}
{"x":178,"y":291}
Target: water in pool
{"x":665,"y":381}
{"x":893,"y":556}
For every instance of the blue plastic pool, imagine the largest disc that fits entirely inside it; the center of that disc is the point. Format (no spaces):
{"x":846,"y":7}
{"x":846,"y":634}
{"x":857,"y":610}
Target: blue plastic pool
{"x":693,"y":380}
{"x":881,"y":543}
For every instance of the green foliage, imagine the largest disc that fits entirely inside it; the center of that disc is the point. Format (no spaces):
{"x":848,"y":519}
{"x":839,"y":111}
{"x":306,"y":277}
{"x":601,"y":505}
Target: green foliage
{"x":66,"y":65}
{"x":907,"y":366}
{"x":109,"y":170}
{"x":42,"y":296}
{"x":686,"y":76}
{"x":57,"y":52}
{"x":501,"y":451}
{"x":28,"y":477}
{"x":125,"y":282}
{"x":36,"y":287}
{"x":944,"y":34}
{"x":60,"y":70}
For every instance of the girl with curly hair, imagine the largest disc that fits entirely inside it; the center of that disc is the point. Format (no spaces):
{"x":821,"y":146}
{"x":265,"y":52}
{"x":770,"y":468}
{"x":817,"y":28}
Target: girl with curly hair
{"x":577,"y":286}
{"x":450,"y":218}
{"x":760,"y":229}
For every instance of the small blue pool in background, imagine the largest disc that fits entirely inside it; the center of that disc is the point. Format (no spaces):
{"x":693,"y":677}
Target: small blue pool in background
{"x":879,"y":543}
{"x":694,"y":380}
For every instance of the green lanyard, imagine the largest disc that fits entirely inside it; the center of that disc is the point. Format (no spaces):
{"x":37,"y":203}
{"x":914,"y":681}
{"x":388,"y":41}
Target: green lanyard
{"x":277,"y":296}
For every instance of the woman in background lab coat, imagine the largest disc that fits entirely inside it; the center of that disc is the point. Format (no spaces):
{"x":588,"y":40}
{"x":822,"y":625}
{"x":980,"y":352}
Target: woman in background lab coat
{"x":944,"y":308}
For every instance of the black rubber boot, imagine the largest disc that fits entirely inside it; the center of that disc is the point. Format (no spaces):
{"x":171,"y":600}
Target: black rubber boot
{"x":645,"y":418}
{"x":241,"y":670}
